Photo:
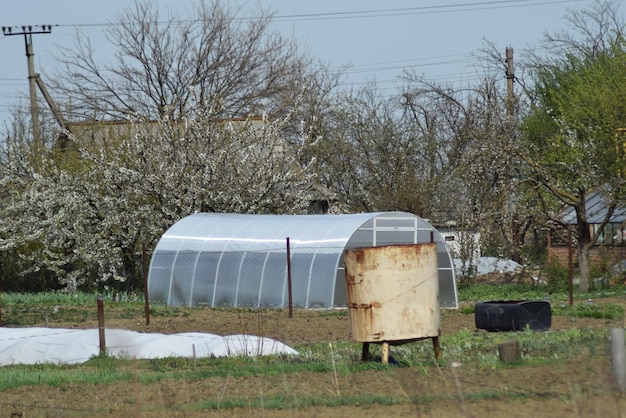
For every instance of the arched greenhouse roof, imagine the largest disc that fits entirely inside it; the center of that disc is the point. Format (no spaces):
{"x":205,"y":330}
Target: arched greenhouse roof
{"x":217,"y":259}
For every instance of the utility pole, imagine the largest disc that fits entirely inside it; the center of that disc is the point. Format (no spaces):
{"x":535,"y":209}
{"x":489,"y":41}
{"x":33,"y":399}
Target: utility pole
{"x":510,"y":77}
{"x":28,"y":32}
{"x":510,"y":101}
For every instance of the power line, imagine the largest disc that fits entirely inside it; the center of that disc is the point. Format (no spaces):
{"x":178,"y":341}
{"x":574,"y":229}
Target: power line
{"x":445,"y":8}
{"x":386,"y":12}
{"x":359,"y":14}
{"x":376,"y":67}
{"x":368,"y":68}
{"x":416,"y":59}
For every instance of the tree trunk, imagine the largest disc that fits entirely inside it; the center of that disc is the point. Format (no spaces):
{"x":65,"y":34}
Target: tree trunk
{"x":129,"y":261}
{"x":583,"y":266}
{"x":584,"y":242}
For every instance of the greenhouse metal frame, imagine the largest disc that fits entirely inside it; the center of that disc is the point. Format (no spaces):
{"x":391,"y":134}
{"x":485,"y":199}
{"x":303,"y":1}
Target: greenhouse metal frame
{"x":237,"y":260}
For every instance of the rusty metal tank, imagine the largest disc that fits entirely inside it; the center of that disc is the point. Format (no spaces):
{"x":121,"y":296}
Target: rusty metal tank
{"x":393,"y":292}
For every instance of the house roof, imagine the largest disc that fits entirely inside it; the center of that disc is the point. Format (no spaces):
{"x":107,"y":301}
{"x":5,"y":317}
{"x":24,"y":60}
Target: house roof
{"x":99,"y":131}
{"x":596,"y":207}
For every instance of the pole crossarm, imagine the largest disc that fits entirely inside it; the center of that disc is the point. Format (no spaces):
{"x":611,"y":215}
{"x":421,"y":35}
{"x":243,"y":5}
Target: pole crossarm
{"x":26,"y":30}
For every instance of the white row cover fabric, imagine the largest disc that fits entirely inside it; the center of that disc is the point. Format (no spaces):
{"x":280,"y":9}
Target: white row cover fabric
{"x":73,"y":346}
{"x":215,"y":259}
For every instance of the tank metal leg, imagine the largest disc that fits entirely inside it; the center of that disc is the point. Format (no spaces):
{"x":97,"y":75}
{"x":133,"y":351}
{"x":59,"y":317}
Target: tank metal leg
{"x":365,"y":353}
{"x":436,"y":347}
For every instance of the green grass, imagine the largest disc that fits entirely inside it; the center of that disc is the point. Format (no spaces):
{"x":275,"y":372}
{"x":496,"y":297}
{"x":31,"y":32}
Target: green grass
{"x":465,"y":346}
{"x":105,"y":369}
{"x":35,"y":309}
{"x":63,"y":298}
{"x":606,"y":311}
{"x":478,"y":349}
{"x":590,"y":310}
{"x":486,"y":292}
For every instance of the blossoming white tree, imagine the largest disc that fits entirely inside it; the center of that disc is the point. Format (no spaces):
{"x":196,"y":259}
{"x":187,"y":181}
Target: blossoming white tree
{"x":83,"y":214}
{"x":154,"y":138}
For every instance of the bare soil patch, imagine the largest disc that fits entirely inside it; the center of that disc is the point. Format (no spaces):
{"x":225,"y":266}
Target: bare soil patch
{"x":581,"y":387}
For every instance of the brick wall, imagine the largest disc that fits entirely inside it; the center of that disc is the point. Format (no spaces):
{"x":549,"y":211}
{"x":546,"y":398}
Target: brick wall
{"x":598,"y":254}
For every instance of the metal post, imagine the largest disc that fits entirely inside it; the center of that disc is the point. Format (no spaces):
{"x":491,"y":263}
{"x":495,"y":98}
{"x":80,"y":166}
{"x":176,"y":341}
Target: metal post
{"x":289,"y":279}
{"x":570,"y":266}
{"x":618,"y":356}
{"x":103,"y":345}
{"x":1,"y":273}
{"x":437,"y":347}
{"x":145,"y":283}
{"x":365,"y":352}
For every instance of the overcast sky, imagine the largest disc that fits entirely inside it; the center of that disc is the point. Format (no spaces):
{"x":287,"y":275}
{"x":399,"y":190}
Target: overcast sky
{"x":378,"y":39}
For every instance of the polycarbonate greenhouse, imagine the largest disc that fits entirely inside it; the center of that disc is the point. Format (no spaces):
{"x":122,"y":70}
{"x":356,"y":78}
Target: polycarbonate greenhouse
{"x":215,"y":259}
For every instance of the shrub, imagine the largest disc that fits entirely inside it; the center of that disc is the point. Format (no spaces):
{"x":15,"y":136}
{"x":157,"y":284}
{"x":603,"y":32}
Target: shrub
{"x":556,"y":277}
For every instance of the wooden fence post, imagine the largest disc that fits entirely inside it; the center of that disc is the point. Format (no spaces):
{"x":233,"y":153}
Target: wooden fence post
{"x":618,"y":356}
{"x":509,"y":351}
{"x":103,"y":345}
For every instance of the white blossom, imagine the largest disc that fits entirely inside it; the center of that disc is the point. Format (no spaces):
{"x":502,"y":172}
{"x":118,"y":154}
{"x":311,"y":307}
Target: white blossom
{"x":85,"y":220}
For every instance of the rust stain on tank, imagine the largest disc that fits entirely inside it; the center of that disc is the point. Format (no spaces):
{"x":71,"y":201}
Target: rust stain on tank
{"x":363,"y":318}
{"x":364,"y":305}
{"x":351,"y":279}
{"x":365,"y":259}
